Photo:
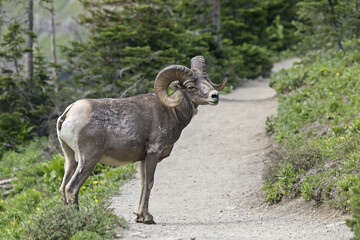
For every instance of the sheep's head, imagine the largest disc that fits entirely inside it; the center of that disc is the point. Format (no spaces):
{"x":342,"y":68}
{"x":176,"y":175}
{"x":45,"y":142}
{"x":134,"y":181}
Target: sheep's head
{"x":194,"y":82}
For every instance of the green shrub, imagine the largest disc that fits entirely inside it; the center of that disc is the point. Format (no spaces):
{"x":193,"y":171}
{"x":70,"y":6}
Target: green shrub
{"x":13,"y":212}
{"x":309,"y":185}
{"x":317,"y":128}
{"x":342,"y":194}
{"x":86,"y":235}
{"x":283,"y":185}
{"x":354,"y":200}
{"x":53,"y":172}
{"x":36,"y":189}
{"x":285,"y":81}
{"x":45,"y":175}
{"x":247,"y":60}
{"x":23,"y":202}
{"x":26,"y":155}
{"x":269,"y":125}
{"x":303,"y":157}
{"x":64,"y":221}
{"x":14,"y":129}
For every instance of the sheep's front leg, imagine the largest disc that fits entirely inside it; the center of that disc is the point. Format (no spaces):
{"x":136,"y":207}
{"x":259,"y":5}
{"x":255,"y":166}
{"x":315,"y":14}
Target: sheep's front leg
{"x":143,"y":215}
{"x":142,"y":174}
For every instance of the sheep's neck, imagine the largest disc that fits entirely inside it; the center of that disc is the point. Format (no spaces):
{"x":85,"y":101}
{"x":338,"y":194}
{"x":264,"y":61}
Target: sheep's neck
{"x":185,"y":111}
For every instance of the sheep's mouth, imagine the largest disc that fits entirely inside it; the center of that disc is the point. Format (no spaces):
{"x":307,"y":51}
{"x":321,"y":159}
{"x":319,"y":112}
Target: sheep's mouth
{"x":213,"y":102}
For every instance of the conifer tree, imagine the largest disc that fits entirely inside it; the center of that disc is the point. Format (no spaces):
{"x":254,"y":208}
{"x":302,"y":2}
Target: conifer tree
{"x":12,"y":48}
{"x":49,"y":6}
{"x":31,"y":34}
{"x":127,"y":46}
{"x":22,"y":112}
{"x":1,"y":17}
{"x":13,"y":127}
{"x":249,"y":29}
{"x":327,"y":23}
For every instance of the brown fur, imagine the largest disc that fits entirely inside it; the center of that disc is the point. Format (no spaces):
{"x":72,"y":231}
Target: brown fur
{"x":118,"y":131}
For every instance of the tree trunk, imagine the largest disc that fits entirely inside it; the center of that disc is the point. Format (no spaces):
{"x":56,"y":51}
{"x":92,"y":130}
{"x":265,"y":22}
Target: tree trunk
{"x":1,"y":20}
{"x":333,"y":23}
{"x":30,"y":43}
{"x":51,"y":10}
{"x":53,"y":47}
{"x":216,"y":22}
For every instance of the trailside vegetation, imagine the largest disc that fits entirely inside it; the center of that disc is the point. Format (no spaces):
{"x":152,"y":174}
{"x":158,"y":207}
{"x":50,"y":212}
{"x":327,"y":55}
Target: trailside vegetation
{"x":32,"y":209}
{"x":317,"y":125}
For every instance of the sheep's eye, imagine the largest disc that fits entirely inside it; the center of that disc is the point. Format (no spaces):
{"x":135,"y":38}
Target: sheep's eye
{"x":191,"y":88}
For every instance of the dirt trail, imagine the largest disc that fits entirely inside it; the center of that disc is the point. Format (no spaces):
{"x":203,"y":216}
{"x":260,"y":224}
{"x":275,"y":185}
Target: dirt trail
{"x":209,"y":188}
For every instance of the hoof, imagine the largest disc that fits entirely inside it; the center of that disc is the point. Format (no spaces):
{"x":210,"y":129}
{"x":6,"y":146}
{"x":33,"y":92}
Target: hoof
{"x":142,"y":219}
{"x":145,"y":222}
{"x":150,"y":222}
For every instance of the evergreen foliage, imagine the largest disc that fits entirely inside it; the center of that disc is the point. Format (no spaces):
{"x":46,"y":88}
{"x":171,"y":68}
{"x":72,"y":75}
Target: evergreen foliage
{"x":250,"y":31}
{"x":327,"y":23}
{"x":127,"y":44}
{"x":22,"y":110}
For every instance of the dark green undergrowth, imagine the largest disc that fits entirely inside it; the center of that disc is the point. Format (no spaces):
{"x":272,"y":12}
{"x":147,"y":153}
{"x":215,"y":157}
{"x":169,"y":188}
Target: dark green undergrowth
{"x":32,"y":209}
{"x":317,"y":129}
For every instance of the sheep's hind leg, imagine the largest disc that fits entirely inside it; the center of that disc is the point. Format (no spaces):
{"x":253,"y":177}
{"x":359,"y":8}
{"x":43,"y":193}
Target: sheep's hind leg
{"x":143,"y":215}
{"x":85,"y":166}
{"x":69,"y":168}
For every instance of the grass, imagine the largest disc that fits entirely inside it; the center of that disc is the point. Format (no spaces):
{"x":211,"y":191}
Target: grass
{"x":34,"y":200}
{"x":317,"y":128}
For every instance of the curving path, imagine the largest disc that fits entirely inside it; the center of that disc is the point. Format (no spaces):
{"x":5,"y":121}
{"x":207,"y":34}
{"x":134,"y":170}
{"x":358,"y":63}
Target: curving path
{"x":209,"y":188}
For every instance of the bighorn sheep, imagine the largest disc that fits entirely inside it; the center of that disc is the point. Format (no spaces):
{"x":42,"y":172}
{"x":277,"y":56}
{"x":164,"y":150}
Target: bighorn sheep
{"x":140,"y":128}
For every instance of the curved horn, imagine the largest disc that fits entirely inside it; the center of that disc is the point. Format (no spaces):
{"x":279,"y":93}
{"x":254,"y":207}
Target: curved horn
{"x":218,"y":87}
{"x":198,"y":62}
{"x":165,"y":77}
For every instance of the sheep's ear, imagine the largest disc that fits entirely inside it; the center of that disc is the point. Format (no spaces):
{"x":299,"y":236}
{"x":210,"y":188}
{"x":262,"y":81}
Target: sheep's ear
{"x":176,"y":85}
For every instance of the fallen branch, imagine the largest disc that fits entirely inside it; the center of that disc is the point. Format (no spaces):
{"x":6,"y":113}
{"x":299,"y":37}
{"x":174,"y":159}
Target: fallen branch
{"x":6,"y":186}
{"x":7,"y":181}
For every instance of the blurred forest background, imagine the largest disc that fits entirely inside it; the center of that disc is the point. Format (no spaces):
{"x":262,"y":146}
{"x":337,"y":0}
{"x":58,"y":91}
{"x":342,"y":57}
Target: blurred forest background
{"x":53,"y":52}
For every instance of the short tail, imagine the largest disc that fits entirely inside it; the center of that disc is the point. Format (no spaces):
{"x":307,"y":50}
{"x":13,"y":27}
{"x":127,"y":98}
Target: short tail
{"x":62,"y":118}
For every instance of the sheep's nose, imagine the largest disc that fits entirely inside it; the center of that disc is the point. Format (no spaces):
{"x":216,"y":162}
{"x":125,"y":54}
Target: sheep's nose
{"x":215,"y":95}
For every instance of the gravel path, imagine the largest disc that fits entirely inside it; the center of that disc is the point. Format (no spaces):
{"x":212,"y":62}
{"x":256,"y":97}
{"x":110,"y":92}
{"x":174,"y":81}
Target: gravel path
{"x":209,"y":188}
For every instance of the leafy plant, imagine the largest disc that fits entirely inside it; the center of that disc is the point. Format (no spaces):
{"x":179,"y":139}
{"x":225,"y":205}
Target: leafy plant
{"x":285,"y":81}
{"x":323,"y":24}
{"x":354,"y":200}
{"x":35,"y":192}
{"x":53,"y":172}
{"x":282,"y":186}
{"x":269,"y":125}
{"x":84,"y":234}
{"x":309,"y":185}
{"x":317,"y":128}
{"x":65,"y":222}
